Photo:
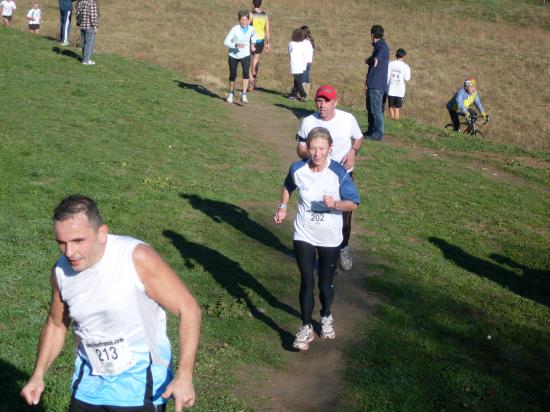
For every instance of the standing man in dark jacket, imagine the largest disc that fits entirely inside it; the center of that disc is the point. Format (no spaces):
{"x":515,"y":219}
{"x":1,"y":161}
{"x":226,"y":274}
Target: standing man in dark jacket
{"x":65,"y":13}
{"x":87,"y":18}
{"x":376,"y":84}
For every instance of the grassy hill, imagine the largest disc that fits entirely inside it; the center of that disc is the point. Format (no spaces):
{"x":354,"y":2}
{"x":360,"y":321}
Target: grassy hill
{"x":458,"y":228}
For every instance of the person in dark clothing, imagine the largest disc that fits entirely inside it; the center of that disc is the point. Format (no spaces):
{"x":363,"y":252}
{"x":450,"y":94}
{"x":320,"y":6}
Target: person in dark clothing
{"x":65,"y":14}
{"x":376,"y":84}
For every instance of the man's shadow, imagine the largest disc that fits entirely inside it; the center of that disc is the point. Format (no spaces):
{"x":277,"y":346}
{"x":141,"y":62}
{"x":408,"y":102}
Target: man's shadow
{"x":532,"y":285}
{"x":198,"y":88}
{"x":231,"y":276}
{"x":299,"y":112}
{"x":66,"y":52}
{"x":10,"y":399}
{"x":269,"y":91}
{"x":238,"y":218}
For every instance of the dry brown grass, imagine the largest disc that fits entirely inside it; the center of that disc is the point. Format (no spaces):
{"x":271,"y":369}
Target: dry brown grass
{"x":511,"y":63}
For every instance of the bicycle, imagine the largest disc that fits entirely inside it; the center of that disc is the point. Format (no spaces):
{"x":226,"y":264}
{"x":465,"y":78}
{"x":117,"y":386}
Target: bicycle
{"x":471,"y":126}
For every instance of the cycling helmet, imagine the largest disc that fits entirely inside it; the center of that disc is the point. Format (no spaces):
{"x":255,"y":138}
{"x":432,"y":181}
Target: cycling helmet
{"x":470,"y":81}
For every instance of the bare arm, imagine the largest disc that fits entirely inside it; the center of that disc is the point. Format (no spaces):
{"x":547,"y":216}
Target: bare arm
{"x":267,"y":35}
{"x":280,"y":213}
{"x":165,"y":287}
{"x":301,"y":150}
{"x":343,"y":205}
{"x":348,"y":161}
{"x":51,"y":343}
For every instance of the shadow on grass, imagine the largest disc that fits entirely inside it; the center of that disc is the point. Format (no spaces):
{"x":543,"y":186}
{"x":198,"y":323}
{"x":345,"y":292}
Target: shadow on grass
{"x":299,"y":112}
{"x":430,"y":348}
{"x":198,"y":88}
{"x":231,"y":276}
{"x":238,"y":218}
{"x":66,"y":52}
{"x":12,"y":380}
{"x":532,"y":285}
{"x":269,"y":91}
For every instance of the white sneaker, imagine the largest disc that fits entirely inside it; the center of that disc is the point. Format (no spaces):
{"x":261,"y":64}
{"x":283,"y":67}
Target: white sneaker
{"x":243,"y":98}
{"x":229,"y":98}
{"x":303,"y":337}
{"x":327,"y":327}
{"x":89,"y":63}
{"x":345,"y":261}
{"x":65,"y":43}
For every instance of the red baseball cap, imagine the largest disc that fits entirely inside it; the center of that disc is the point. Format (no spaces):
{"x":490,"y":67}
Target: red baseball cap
{"x":326,"y":91}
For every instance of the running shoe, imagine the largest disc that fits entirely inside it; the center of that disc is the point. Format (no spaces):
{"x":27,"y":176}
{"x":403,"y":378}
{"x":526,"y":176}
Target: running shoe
{"x":327,"y":327}
{"x":229,"y":98}
{"x":88,"y":63}
{"x":65,"y":43}
{"x":303,"y":337}
{"x":345,"y":261}
{"x":244,"y":98}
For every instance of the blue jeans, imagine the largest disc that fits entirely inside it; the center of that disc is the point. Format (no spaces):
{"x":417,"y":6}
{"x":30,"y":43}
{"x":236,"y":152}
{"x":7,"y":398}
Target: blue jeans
{"x":305,"y":75}
{"x":88,"y":41}
{"x":375,"y":110}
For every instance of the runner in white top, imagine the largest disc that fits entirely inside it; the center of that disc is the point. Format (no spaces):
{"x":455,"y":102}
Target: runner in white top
{"x":7,"y":6}
{"x":326,"y":191}
{"x":347,"y":137}
{"x":399,"y":72}
{"x":113,"y":289}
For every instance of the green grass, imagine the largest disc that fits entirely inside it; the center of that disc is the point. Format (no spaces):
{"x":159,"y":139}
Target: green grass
{"x":528,"y":13}
{"x":461,"y":257}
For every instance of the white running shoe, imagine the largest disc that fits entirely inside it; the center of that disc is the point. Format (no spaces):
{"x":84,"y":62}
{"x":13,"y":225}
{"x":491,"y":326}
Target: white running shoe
{"x":327,"y":327}
{"x":303,"y":337}
{"x":244,"y":98}
{"x":88,"y":63}
{"x":229,"y":98}
{"x":345,"y":261}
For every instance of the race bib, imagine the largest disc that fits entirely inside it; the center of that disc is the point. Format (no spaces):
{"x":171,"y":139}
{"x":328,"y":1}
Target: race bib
{"x":317,"y":220}
{"x":108,"y":356}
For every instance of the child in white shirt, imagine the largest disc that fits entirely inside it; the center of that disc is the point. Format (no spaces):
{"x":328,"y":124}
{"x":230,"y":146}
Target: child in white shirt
{"x":296,"y":50}
{"x":398,"y":73}
{"x":35,"y":17}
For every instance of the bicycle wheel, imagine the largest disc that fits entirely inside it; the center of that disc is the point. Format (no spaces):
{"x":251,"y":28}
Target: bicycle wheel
{"x":477,"y":133}
{"x":449,"y":127}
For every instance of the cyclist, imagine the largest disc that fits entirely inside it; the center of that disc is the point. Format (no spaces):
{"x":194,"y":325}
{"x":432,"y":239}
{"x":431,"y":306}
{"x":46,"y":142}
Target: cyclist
{"x":461,"y":102}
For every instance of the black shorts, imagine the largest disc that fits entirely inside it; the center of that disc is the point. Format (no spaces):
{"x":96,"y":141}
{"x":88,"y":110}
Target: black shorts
{"x":8,"y":18}
{"x":259,"y":48}
{"x":394,"y":101}
{"x":79,"y":406}
{"x":34,"y":26}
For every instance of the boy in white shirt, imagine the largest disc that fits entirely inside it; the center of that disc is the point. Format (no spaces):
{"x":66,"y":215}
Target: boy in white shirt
{"x":34,"y":16}
{"x":8,"y":6}
{"x":398,"y":73}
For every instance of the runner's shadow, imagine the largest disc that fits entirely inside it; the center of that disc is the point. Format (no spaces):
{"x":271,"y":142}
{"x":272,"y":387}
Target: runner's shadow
{"x":236,"y":281}
{"x":66,"y":52}
{"x":532,"y":285}
{"x":269,"y":91}
{"x":238,"y":218}
{"x":198,"y":88}
{"x":299,"y":112}
{"x":12,"y":380}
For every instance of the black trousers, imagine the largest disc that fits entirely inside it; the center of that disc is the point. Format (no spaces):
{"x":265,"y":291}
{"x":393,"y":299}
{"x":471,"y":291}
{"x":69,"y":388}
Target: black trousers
{"x":234,"y":64}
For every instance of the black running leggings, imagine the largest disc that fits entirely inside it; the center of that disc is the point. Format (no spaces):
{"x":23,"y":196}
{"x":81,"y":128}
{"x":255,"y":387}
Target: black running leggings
{"x":234,"y":64}
{"x":305,"y":257}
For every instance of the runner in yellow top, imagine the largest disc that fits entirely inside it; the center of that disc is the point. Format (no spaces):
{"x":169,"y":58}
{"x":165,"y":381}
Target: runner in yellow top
{"x":260,"y":22}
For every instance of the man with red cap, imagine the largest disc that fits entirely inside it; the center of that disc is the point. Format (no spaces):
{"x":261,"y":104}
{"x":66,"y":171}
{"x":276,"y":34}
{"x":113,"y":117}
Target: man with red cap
{"x":347,"y":138}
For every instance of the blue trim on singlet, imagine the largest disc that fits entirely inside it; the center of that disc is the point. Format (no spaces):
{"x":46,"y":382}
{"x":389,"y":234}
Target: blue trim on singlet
{"x":348,"y":191}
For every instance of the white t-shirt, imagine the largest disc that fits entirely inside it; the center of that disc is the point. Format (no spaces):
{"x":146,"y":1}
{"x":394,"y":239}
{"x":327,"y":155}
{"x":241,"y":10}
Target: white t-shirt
{"x":398,"y":73}
{"x":308,"y":51}
{"x":297,"y":52}
{"x":35,"y":15}
{"x":315,"y":223}
{"x":8,"y":6}
{"x":343,"y":127}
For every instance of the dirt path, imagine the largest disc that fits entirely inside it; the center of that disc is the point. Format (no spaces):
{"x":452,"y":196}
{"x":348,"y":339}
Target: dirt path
{"x":303,"y":385}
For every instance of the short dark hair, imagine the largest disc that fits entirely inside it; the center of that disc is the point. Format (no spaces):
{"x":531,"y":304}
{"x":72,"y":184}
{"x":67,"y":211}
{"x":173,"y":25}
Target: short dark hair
{"x":257,"y":3}
{"x":75,"y":204}
{"x":400,"y":53}
{"x":377,"y":31}
{"x":298,"y":35}
{"x":243,"y":13}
